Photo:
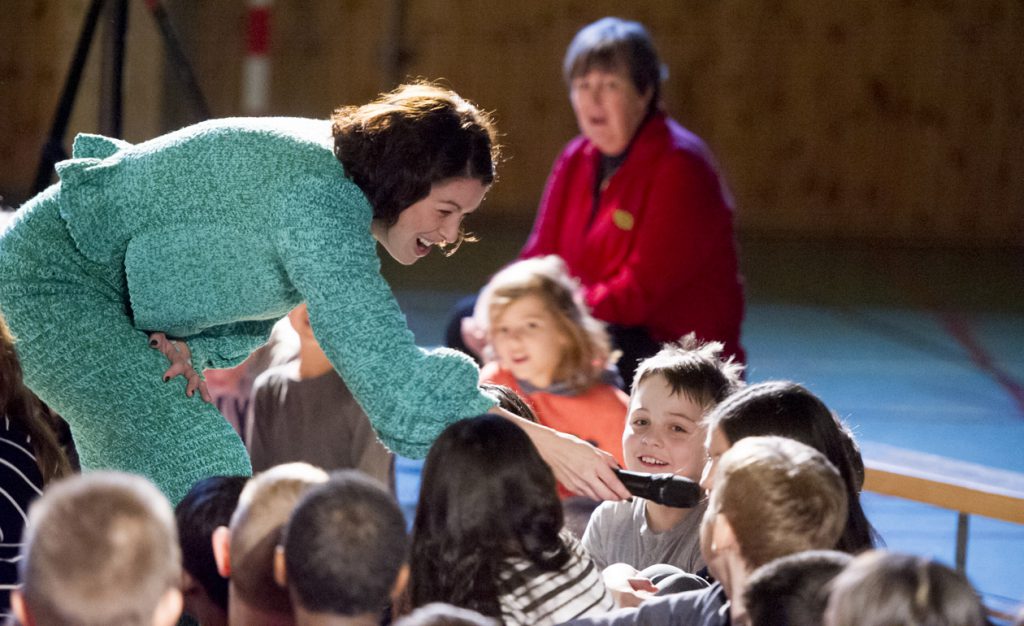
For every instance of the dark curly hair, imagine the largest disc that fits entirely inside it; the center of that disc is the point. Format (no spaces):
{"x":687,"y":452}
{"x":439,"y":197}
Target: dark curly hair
{"x":787,"y":409}
{"x":396,"y":147}
{"x":486,"y":496}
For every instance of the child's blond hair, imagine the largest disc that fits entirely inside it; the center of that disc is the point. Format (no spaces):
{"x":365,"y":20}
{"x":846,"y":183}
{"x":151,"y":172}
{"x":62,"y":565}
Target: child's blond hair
{"x":100,"y":548}
{"x":780,"y":497}
{"x":589,"y":348}
{"x":264,"y":506}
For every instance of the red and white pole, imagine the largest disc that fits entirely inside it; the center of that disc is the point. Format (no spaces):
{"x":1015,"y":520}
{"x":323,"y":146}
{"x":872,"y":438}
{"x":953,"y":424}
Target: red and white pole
{"x":256,"y":67}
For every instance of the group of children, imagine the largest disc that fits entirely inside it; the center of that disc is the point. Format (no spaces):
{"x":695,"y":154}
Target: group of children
{"x":780,"y":539}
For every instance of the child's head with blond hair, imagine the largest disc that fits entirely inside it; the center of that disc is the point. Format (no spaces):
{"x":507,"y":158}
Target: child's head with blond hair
{"x":100,"y":548}
{"x":880,"y":588}
{"x":539,"y":328}
{"x":779,"y":497}
{"x":245,"y":550}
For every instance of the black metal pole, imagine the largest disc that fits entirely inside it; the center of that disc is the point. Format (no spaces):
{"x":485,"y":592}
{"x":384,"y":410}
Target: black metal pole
{"x":962,"y":522}
{"x":112,"y":69}
{"x":178,"y":60}
{"x":53,"y":149}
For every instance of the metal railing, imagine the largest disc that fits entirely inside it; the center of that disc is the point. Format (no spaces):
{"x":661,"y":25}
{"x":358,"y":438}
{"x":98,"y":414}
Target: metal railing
{"x":967,"y":488}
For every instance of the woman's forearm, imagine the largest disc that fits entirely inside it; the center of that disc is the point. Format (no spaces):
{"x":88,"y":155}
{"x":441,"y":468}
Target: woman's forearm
{"x":579,"y":466}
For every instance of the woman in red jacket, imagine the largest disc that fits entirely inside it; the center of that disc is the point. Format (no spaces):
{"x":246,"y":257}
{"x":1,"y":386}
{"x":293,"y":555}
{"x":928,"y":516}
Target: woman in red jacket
{"x":635,"y":205}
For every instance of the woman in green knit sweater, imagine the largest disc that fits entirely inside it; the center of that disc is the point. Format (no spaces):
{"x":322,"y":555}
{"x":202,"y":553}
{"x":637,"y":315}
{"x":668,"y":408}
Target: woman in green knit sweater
{"x":210,"y":234}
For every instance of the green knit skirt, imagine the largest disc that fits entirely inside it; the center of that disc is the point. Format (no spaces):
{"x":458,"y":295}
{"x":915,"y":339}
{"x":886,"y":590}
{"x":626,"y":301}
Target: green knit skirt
{"x":82,"y":355}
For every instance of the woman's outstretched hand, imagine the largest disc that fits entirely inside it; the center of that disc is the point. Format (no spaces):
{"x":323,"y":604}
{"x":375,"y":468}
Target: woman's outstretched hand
{"x":579,"y":466}
{"x":180,"y":356}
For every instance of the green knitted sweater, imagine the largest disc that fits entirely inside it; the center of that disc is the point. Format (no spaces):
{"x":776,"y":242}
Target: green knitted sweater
{"x":224,"y":226}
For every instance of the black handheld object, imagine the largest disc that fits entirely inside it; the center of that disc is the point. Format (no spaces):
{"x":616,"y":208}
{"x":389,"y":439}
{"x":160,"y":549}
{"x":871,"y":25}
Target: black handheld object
{"x":667,"y":489}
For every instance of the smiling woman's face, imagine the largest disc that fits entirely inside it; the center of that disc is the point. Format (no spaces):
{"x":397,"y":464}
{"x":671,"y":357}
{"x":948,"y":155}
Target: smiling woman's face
{"x":608,"y":108}
{"x":433,"y":220}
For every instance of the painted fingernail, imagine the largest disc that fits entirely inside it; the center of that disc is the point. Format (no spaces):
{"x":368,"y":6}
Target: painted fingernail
{"x":153,"y":343}
{"x":166,"y":378}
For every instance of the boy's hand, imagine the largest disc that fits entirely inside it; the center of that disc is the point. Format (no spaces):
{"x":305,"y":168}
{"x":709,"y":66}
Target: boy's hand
{"x":627,"y":586}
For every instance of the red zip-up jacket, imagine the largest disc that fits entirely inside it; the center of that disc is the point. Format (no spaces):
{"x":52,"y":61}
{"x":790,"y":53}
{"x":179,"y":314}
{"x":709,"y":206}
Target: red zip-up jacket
{"x":660,"y":252}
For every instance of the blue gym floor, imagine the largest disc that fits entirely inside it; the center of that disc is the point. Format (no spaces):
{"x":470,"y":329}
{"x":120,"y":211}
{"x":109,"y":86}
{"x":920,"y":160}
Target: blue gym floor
{"x":916,"y":348}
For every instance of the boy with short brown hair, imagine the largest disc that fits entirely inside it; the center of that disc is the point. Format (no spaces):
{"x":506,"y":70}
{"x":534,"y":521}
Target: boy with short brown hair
{"x":100,"y":549}
{"x":245,"y":550}
{"x":672,"y":391}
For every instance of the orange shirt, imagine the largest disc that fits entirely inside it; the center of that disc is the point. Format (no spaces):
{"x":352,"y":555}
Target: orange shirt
{"x":597,"y":415}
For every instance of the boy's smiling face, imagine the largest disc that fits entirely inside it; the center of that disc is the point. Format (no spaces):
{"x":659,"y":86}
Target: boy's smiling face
{"x":664,"y":431}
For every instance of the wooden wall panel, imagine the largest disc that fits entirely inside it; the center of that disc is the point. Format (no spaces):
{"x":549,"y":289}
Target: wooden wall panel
{"x":37,"y":41}
{"x":899,"y":119}
{"x":323,"y":54}
{"x":891,"y":119}
{"x":327,"y":54}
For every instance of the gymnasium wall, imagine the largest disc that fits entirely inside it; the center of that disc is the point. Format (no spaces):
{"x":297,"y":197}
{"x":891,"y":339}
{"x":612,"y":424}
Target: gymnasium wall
{"x":869,"y":119}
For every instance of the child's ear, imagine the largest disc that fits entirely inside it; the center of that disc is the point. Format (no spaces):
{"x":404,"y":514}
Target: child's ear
{"x":722,"y":536}
{"x":401,"y":581}
{"x":168,"y":610}
{"x":187,"y":581}
{"x":280,"y":571}
{"x":20,"y":609}
{"x":221,"y":540}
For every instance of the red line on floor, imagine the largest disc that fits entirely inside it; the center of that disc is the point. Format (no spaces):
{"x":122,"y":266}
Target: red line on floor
{"x":960,"y":329}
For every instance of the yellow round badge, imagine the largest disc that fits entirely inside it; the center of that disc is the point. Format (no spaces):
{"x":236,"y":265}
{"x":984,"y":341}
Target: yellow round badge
{"x":623,"y":219}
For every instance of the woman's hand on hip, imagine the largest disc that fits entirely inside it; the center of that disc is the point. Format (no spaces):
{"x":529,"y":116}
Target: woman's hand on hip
{"x":579,"y":466}
{"x":180,"y":356}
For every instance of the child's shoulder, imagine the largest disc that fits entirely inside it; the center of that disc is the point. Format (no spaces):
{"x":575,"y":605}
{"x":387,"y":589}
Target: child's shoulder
{"x":604,"y":394}
{"x":615,"y":513}
{"x":494,"y":373}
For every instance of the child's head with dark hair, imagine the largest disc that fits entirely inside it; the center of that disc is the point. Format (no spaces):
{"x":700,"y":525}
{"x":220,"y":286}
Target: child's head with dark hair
{"x":881,"y":588}
{"x":486,"y":495}
{"x":407,"y":140}
{"x":786,"y":409}
{"x":100,"y":548}
{"x":209,"y":504}
{"x":672,"y":391}
{"x":695,"y":369}
{"x":345,"y":547}
{"x":28,"y":413}
{"x":793,"y":590}
{"x":509,"y":400}
{"x":440,"y":614}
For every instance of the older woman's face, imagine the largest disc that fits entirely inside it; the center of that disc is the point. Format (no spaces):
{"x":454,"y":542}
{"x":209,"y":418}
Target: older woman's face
{"x":608,"y":108}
